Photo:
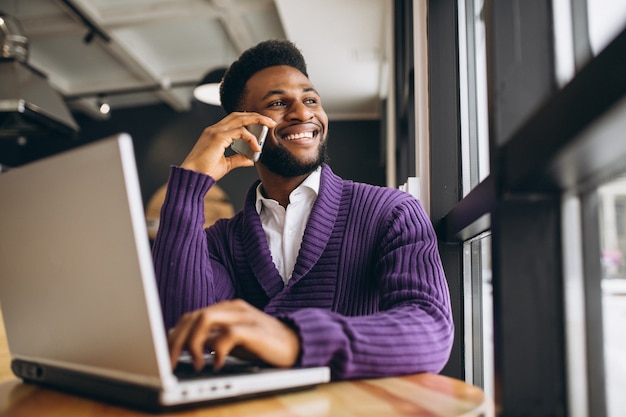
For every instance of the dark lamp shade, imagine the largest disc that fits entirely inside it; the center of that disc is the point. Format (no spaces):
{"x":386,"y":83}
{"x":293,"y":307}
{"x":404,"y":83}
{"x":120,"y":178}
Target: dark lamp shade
{"x":208,"y":90}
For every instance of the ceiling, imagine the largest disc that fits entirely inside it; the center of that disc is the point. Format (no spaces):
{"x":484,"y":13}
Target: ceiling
{"x":141,"y":52}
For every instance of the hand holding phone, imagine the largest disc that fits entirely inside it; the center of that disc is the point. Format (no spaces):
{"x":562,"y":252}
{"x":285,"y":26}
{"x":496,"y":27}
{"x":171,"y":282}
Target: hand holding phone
{"x":242,"y":147}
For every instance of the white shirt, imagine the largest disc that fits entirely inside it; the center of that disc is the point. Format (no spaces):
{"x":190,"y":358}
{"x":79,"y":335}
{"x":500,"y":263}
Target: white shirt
{"x":284,"y":228}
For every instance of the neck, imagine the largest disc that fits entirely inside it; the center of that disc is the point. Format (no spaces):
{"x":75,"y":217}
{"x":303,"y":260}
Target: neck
{"x":278,"y":187}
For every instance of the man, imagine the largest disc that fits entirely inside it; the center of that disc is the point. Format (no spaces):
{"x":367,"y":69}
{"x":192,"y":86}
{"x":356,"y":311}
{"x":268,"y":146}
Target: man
{"x":314,"y":270}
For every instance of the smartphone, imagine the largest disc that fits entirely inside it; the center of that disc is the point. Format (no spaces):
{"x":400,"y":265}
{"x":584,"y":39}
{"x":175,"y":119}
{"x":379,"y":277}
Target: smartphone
{"x":242,"y":147}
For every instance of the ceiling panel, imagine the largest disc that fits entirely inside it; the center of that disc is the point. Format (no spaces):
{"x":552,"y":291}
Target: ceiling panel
{"x":140,"y":52}
{"x":344,"y":43}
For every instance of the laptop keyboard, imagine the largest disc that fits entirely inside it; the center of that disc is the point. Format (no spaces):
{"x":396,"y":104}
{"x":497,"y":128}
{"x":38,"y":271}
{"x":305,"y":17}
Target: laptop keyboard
{"x":185,"y":370}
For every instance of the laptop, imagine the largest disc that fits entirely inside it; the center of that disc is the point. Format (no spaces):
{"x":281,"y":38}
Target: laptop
{"x":78,"y":291}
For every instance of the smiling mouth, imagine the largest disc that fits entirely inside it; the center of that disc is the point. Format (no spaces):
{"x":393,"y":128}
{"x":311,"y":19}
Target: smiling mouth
{"x":310,"y":134}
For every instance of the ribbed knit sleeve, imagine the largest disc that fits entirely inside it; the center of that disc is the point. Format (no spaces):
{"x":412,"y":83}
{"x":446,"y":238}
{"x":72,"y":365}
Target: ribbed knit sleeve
{"x":409,"y":328}
{"x":187,"y":279}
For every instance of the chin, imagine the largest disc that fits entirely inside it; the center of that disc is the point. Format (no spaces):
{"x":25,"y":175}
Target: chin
{"x":282,"y":162}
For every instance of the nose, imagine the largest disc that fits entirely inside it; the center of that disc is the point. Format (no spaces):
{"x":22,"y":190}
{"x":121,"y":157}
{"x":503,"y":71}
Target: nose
{"x":299,"y":111}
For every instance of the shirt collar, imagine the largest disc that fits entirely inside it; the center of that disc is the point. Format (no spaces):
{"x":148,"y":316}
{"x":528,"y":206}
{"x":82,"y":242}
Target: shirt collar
{"x":312,"y":182}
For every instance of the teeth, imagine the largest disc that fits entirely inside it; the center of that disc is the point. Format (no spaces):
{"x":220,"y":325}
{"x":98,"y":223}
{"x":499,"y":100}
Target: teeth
{"x":299,"y":136}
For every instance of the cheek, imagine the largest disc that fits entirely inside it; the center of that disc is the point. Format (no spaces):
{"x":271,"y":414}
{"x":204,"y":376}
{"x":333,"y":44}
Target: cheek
{"x":271,"y":140}
{"x":323,"y":117}
{"x":274,"y":115}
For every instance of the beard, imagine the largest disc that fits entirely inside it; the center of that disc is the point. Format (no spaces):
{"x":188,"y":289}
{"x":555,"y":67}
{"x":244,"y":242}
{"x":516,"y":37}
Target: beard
{"x":282,"y":162}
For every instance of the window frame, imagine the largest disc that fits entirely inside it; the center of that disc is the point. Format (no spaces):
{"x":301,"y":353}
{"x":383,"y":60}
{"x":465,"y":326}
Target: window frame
{"x":553,"y":144}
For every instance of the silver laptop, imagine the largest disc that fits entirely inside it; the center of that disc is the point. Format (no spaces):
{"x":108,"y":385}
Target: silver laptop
{"x":78,"y":292}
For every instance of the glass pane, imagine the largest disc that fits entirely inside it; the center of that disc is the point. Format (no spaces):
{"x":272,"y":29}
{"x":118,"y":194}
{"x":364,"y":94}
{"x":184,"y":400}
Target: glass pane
{"x":473,"y":93}
{"x":478,"y":307}
{"x":606,"y":19}
{"x":478,"y":299}
{"x":613,"y":244}
{"x":564,"y":60}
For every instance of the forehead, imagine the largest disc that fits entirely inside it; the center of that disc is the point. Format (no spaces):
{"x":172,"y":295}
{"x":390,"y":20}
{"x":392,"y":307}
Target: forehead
{"x":278,"y":78}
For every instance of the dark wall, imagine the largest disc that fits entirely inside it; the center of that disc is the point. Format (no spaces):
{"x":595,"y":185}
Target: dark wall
{"x":163,"y":137}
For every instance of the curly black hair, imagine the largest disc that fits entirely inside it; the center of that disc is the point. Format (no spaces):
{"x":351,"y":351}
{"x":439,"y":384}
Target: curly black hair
{"x":265,"y":54}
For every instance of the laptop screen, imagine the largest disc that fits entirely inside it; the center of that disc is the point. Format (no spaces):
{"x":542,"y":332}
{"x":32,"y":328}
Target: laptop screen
{"x":72,"y":247}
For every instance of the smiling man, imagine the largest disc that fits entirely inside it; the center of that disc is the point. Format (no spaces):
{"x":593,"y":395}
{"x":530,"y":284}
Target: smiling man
{"x":314,"y":270}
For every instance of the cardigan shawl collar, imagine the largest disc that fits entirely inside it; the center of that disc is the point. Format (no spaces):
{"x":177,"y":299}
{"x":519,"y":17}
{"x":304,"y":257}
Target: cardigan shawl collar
{"x":315,"y":239}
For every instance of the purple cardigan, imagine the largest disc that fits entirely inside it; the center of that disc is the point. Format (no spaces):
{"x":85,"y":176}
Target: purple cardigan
{"x":368,"y":296}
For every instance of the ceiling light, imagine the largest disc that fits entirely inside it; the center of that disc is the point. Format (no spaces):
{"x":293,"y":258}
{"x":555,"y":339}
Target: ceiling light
{"x":29,"y":104}
{"x":208,"y":90}
{"x":103,"y":106}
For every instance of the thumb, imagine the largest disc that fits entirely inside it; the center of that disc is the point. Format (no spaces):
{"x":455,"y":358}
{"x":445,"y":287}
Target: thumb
{"x":239,"y":161}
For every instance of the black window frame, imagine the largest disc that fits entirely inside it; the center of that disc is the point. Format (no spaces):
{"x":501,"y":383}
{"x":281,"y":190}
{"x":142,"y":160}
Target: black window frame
{"x":543,"y":145}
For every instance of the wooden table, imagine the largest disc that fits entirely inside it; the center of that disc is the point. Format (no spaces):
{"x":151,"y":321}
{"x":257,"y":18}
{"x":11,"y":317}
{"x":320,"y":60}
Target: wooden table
{"x":414,"y":395}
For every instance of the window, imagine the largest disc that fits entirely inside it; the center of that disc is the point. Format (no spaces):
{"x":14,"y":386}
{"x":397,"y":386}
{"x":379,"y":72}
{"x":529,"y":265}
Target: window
{"x":520,"y":164}
{"x":474,"y":136}
{"x":478,"y":306}
{"x":612,"y":216}
{"x":606,"y":19}
{"x":473,"y":93}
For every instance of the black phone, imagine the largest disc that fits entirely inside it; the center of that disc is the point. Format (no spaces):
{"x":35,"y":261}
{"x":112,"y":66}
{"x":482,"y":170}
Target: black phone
{"x":242,"y":147}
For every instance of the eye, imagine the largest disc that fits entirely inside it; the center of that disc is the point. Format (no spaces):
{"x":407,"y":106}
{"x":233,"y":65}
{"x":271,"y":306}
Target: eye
{"x":311,"y":101}
{"x":277,"y":103}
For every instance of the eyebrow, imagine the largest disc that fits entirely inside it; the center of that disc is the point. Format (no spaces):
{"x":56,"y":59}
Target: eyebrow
{"x":279,"y":92}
